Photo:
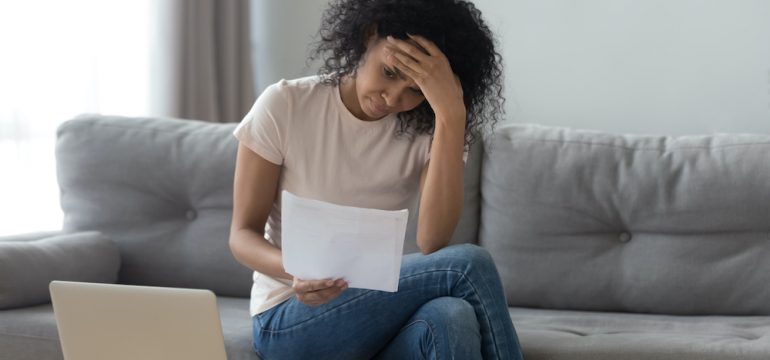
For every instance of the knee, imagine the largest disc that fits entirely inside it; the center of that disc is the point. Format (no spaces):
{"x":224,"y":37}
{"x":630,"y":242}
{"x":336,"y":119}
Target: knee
{"x":476,"y":252}
{"x":473,"y":254}
{"x":453,"y":314}
{"x":446,"y":325}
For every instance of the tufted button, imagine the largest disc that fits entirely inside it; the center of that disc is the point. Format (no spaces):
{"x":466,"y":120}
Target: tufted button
{"x":191,"y":215}
{"x":624,"y":237}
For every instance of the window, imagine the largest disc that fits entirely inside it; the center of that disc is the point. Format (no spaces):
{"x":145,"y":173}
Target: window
{"x":60,"y":59}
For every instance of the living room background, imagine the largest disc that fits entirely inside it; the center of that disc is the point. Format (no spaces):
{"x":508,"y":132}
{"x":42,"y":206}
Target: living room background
{"x":674,"y":67}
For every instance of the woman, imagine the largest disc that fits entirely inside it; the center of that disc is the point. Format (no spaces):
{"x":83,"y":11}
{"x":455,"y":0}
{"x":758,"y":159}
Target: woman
{"x":406,"y":87}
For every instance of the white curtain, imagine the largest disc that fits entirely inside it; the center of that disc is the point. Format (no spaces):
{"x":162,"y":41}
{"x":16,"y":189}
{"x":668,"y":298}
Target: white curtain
{"x":175,"y":58}
{"x":59,"y":59}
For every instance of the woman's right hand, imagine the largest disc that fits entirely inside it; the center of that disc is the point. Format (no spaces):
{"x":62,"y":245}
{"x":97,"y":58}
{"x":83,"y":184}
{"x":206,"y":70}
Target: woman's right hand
{"x":318,"y":292}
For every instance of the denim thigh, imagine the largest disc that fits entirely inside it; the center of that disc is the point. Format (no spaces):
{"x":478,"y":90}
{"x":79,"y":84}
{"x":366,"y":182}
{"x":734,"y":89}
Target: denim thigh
{"x":359,"y":323}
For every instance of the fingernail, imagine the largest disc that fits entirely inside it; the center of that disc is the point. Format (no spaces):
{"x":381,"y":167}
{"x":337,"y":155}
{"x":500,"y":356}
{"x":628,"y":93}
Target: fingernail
{"x":330,"y":283}
{"x":390,"y":38}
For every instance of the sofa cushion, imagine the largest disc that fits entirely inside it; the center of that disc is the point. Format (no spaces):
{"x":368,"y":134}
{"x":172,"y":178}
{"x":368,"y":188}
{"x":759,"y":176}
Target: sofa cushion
{"x":27,"y":266}
{"x":236,"y":328}
{"x":29,"y":334}
{"x":162,"y":189}
{"x":584,"y":220}
{"x":583,"y":335}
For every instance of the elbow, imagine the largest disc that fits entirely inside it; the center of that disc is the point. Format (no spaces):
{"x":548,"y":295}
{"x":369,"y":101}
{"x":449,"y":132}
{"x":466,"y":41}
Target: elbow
{"x":429,"y":246}
{"x":235,"y":243}
{"x":232,"y":239}
{"x":232,"y":242}
{"x":428,"y":251}
{"x":431,"y":241}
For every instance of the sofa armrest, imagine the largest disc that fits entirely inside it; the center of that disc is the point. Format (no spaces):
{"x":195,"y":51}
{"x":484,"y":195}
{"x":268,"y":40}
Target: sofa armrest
{"x":29,"y":262}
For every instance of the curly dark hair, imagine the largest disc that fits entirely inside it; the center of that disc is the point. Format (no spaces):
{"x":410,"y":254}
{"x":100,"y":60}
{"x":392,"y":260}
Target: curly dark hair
{"x":455,"y":26}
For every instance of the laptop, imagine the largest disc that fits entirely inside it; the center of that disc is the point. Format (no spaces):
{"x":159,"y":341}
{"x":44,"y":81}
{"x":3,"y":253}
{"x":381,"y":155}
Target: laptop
{"x":111,"y":321}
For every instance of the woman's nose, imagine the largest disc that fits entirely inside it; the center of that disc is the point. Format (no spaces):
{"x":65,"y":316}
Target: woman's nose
{"x":391,"y":97}
{"x":387,"y":99}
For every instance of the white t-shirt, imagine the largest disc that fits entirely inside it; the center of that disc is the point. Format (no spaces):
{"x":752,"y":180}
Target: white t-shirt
{"x":328,"y":154}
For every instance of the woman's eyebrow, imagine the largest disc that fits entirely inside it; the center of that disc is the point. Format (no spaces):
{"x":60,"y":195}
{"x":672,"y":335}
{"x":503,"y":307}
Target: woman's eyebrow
{"x":400,"y":74}
{"x":396,"y":71}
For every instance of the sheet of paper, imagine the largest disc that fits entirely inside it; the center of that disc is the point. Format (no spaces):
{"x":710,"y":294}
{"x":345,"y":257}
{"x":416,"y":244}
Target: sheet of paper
{"x":321,"y":240}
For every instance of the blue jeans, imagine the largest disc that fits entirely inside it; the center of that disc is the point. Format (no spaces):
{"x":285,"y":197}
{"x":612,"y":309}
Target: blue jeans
{"x":449,"y":305}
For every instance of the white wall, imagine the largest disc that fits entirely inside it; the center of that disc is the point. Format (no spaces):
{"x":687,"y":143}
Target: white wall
{"x":654,"y":66}
{"x":633,"y":66}
{"x":283,"y":32}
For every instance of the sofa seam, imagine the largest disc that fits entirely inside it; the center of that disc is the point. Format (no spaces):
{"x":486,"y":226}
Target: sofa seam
{"x":663,"y":149}
{"x":28,"y":336}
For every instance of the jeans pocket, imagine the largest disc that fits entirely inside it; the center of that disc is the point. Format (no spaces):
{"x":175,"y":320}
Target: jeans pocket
{"x":259,"y":322}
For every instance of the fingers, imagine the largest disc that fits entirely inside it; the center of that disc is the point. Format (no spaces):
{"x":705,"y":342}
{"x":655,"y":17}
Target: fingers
{"x":428,"y":45}
{"x":409,"y":49}
{"x":406,"y":65}
{"x":417,"y":59}
{"x":303,"y":286}
{"x":321,"y":297}
{"x":318,"y":292}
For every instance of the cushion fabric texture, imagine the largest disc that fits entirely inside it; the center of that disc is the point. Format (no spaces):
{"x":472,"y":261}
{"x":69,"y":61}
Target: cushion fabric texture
{"x":583,"y":335}
{"x":585,"y":220}
{"x":28,"y":266}
{"x":29,"y":333}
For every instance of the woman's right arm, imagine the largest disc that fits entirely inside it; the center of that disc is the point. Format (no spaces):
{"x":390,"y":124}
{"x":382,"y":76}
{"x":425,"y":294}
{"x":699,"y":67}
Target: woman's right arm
{"x":254,"y":190}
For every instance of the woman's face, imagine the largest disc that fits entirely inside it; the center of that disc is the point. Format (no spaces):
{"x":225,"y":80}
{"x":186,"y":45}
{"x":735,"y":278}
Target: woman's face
{"x":380,"y":89}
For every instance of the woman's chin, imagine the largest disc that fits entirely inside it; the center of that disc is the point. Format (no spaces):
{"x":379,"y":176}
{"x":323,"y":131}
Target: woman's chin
{"x":372,"y":116}
{"x":378,"y":117}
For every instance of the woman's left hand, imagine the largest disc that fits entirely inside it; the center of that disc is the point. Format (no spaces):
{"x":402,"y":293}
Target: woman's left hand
{"x":432,"y":73}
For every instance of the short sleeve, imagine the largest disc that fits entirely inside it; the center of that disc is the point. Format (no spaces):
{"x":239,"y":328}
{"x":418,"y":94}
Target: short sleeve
{"x":264,"y":128}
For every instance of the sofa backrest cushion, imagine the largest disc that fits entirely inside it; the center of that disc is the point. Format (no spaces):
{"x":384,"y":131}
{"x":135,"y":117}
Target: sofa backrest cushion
{"x":162,"y":190}
{"x":586,"y":220}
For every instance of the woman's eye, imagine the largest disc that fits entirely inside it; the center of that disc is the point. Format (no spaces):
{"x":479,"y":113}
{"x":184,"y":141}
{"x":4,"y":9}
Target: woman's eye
{"x":389,"y":74}
{"x":417,"y":92}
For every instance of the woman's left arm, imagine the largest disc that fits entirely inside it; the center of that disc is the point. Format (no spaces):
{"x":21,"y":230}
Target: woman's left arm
{"x":441,"y":190}
{"x":441,"y":182}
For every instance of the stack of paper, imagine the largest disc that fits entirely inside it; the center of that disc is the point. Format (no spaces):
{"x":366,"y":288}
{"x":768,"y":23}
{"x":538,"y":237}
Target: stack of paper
{"x":320,"y":240}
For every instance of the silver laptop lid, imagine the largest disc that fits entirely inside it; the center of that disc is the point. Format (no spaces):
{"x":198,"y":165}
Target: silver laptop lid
{"x":110,"y":321}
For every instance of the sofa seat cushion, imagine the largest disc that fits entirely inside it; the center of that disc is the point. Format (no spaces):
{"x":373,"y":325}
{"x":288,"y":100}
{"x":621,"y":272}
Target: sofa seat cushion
{"x":582,"y":335}
{"x":236,"y":328}
{"x":29,"y":334}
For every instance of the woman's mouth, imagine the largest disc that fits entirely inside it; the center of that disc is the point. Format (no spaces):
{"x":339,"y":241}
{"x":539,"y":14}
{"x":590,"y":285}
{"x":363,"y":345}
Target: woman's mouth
{"x":378,"y":110}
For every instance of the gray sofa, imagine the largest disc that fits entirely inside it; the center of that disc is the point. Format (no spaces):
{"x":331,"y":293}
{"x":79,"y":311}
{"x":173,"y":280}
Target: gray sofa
{"x":609,"y":246}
